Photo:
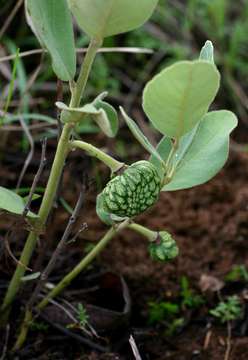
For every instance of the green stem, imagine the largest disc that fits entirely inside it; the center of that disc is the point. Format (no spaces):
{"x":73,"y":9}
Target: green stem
{"x":65,"y":282}
{"x":171,"y":154}
{"x":53,"y":182}
{"x":78,"y":90}
{"x":82,"y":265}
{"x":113,"y":164}
{"x":24,"y":330}
{"x":170,"y":167}
{"x":44,"y":211}
{"x":149,"y":234}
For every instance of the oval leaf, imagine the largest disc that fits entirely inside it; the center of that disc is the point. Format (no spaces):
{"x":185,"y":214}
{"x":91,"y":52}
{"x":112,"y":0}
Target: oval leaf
{"x":207,"y":151}
{"x":177,"y":98}
{"x":12,"y":203}
{"x":51,"y":22}
{"x":100,"y":18}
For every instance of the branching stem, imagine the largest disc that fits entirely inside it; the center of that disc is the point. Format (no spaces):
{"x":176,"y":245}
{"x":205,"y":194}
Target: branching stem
{"x":44,"y":211}
{"x":113,"y":164}
{"x":67,"y":281}
{"x":149,"y":234}
{"x":79,"y":88}
{"x":83,"y":264}
{"x":53,"y":182}
{"x":28,"y":318}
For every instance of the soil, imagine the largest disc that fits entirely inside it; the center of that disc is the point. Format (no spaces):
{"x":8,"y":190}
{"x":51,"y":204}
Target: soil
{"x":210,"y":226}
{"x":209,"y":223}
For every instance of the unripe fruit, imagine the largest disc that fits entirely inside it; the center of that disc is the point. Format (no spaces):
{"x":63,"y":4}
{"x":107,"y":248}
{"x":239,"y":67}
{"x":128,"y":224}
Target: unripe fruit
{"x":164,"y":248}
{"x":132,"y":192}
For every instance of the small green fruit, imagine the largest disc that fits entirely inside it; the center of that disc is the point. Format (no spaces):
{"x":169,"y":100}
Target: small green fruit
{"x":132,"y":192}
{"x":164,"y":248}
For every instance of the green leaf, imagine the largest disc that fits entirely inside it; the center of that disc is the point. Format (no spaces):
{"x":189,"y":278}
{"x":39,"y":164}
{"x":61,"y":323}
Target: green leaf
{"x":78,"y":113}
{"x":100,"y":19}
{"x":107,"y":118}
{"x":102,"y":212}
{"x":206,"y":153}
{"x":142,"y":139}
{"x":99,"y":111}
{"x":34,"y":197}
{"x":184,"y":144}
{"x":51,"y":22}
{"x":12,"y":203}
{"x":228,"y":310}
{"x":163,"y":148}
{"x":86,"y":109}
{"x":207,"y":52}
{"x":177,"y":98}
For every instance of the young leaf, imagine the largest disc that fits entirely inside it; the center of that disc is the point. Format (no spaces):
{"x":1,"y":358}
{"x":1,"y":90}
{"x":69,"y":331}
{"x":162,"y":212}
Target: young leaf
{"x":142,"y":139}
{"x":51,"y":22}
{"x":78,"y":113}
{"x":100,"y":111}
{"x":184,"y":144}
{"x":207,"y":152}
{"x":86,"y":109}
{"x":207,"y":52}
{"x":107,"y":118}
{"x":163,"y":148}
{"x":177,"y":98}
{"x":13,"y":203}
{"x":100,"y":19}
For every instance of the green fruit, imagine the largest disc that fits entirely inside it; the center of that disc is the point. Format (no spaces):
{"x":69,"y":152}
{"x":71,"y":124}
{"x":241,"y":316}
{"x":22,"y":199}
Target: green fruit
{"x":164,"y":248}
{"x":130,"y":193}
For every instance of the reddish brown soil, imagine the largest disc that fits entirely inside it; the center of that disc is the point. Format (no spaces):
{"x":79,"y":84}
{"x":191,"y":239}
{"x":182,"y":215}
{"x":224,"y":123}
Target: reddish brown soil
{"x":211,"y":228}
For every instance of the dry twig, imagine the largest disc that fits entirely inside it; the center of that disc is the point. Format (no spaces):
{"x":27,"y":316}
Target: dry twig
{"x":228,"y":341}
{"x":36,"y":178}
{"x":5,"y":347}
{"x":10,"y":17}
{"x":30,"y":154}
{"x":134,"y":348}
{"x":59,"y":248}
{"x":129,"y":50}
